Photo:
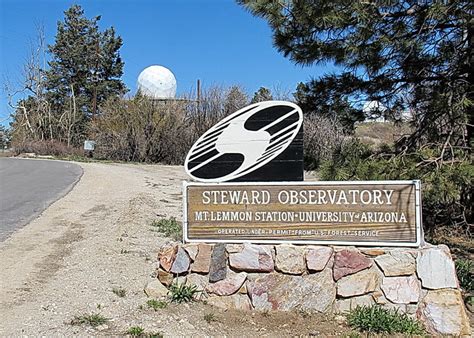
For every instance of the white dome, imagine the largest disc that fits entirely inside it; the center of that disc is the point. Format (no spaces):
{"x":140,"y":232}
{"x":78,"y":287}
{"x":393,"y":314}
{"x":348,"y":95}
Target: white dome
{"x":157,"y":82}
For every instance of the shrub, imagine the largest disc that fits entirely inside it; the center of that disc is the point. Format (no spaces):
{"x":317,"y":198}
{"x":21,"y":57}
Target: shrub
{"x":145,"y":130}
{"x":320,"y":138}
{"x":48,"y":147}
{"x":135,"y":331}
{"x":156,"y":304}
{"x":155,"y":335}
{"x":169,"y":227}
{"x":465,"y":272}
{"x":447,"y":194}
{"x":94,"y":319}
{"x":210,"y":317}
{"x":181,"y":293}
{"x":379,"y":320}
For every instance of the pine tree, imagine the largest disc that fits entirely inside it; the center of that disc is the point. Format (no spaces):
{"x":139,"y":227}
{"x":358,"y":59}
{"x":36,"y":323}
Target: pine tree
{"x":411,"y":56}
{"x":262,"y":94}
{"x":234,"y":100}
{"x":85,"y":67}
{"x":4,"y":138}
{"x":319,"y":99}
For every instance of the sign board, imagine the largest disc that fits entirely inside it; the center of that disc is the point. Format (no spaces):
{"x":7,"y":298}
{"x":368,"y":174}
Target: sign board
{"x":382,"y":213}
{"x":89,"y":145}
{"x":261,"y":142}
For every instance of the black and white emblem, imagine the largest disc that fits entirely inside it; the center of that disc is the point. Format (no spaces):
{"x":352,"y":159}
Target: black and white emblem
{"x":246,"y":141}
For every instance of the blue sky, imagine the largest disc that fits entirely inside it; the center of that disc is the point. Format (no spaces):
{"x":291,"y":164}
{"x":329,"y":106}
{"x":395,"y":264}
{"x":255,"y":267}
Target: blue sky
{"x":216,"y":41}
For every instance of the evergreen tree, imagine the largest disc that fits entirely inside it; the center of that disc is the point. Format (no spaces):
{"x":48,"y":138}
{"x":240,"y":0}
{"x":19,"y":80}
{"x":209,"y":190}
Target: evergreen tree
{"x":262,"y":94}
{"x":4,"y":138}
{"x":85,"y":67}
{"x":234,"y":100}
{"x":319,"y":99}
{"x":408,"y":55}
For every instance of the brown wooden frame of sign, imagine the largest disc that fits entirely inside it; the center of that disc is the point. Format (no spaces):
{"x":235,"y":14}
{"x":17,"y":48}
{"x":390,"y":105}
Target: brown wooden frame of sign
{"x":412,"y":200}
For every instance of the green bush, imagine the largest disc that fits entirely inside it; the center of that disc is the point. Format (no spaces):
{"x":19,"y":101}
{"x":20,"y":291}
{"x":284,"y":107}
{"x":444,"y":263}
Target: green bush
{"x":447,"y":194}
{"x":376,"y":319}
{"x":135,"y":331}
{"x":465,"y":272}
{"x":93,"y":319}
{"x":156,"y":304}
{"x":169,"y":227}
{"x":181,"y":293}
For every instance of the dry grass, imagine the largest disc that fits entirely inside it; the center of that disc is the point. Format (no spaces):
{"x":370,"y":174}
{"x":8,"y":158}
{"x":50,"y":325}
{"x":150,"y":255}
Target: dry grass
{"x":460,"y":242}
{"x":48,"y":147}
{"x":378,"y":133}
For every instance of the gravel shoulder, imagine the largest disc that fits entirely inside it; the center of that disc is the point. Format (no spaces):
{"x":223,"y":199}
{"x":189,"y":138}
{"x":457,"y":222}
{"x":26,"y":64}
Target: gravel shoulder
{"x":98,"y":237}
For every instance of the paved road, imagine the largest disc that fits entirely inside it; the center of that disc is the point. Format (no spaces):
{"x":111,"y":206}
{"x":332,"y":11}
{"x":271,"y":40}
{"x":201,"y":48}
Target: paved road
{"x":27,"y":187}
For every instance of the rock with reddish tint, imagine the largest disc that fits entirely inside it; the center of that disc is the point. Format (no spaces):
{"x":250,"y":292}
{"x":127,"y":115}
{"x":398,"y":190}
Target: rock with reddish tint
{"x":313,"y":293}
{"x":155,"y":289}
{"x":401,"y":290}
{"x":202,"y":262}
{"x":192,"y":250}
{"x":290,"y":259}
{"x":237,"y":302}
{"x":347,"y":262}
{"x":253,"y":258}
{"x":181,"y":262}
{"x":167,"y":256}
{"x":317,"y":257}
{"x":166,"y":278}
{"x":228,"y":286}
{"x":435,"y":267}
{"x":360,"y":283}
{"x":443,"y":313}
{"x":396,"y":263}
{"x":218,"y":267}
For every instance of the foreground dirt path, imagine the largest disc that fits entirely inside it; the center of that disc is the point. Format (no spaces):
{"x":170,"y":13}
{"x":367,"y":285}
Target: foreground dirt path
{"x":98,"y":237}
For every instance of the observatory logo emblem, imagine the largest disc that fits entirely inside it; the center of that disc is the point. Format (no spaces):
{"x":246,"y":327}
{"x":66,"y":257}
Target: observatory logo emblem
{"x":244,"y":141}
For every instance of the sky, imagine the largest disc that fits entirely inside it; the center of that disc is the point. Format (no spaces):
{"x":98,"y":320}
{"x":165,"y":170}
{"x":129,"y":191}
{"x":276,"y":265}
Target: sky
{"x":216,"y":41}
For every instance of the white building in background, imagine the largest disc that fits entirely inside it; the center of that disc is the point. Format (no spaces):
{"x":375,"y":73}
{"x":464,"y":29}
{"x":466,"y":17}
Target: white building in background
{"x":374,"y":111}
{"x":157,"y":82}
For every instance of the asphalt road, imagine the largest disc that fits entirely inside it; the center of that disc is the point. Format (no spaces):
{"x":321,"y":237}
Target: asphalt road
{"x":27,"y":187}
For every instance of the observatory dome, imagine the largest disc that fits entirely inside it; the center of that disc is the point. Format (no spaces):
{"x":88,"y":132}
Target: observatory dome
{"x":157,"y":82}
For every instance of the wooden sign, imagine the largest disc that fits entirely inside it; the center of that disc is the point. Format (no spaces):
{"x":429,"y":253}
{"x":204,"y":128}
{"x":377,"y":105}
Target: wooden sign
{"x":381,"y":213}
{"x":261,"y":142}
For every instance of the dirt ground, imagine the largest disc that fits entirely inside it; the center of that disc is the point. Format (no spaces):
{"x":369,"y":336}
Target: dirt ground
{"x":98,"y":238}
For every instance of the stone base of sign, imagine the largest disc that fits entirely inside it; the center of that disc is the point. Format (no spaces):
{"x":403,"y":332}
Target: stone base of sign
{"x":420,"y":282}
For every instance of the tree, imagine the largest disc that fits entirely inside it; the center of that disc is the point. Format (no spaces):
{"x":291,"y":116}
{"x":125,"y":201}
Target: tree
{"x":4,"y":138}
{"x":316,"y":98}
{"x":32,"y":118}
{"x":85,"y":68}
{"x":234,"y":100}
{"x":408,"y":55}
{"x":262,"y":94}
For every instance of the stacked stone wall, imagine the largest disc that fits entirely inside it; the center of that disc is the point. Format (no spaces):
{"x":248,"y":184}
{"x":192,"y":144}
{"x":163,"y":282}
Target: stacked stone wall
{"x":421,"y":282}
